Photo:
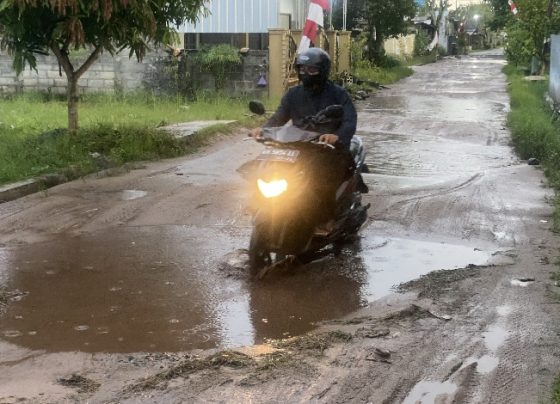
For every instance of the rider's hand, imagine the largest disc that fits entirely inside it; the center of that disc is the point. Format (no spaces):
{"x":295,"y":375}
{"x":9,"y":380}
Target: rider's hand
{"x":328,"y":138}
{"x":256,"y":133}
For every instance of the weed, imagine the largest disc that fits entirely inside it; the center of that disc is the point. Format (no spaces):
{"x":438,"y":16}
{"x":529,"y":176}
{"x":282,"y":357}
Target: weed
{"x":314,"y":343}
{"x":232,"y":359}
{"x":533,"y":130}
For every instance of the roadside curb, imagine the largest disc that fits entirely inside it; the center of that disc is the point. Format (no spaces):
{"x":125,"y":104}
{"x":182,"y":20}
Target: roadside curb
{"x":19,"y":189}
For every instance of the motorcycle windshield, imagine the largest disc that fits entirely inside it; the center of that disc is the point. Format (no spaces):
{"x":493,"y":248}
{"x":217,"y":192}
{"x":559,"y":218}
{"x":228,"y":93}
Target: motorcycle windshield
{"x":288,"y":134}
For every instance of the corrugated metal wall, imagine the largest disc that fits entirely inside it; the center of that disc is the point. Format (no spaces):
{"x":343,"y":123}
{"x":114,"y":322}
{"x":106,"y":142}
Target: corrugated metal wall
{"x":234,"y":16}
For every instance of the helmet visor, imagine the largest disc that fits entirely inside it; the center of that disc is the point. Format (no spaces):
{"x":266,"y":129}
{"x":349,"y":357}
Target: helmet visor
{"x":309,"y":70}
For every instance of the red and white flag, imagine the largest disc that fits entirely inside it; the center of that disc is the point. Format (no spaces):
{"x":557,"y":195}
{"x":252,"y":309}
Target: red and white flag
{"x":512,"y":6}
{"x":314,"y":20}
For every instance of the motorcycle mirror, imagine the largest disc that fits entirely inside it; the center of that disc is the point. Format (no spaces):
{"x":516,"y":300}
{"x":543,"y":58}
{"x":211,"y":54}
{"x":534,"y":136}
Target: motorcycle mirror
{"x":257,"y":107}
{"x":334,"y":111}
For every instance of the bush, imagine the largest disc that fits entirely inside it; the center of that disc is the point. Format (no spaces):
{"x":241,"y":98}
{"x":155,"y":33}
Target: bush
{"x":219,"y":60}
{"x":519,"y":46}
{"x":421,"y":42}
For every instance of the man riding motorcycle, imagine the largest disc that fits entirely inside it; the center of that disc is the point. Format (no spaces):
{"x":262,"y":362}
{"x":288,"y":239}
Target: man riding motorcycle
{"x":314,"y":93}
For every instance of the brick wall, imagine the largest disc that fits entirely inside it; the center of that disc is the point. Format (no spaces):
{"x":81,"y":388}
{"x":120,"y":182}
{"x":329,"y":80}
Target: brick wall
{"x":106,"y":74}
{"x":122,"y":73}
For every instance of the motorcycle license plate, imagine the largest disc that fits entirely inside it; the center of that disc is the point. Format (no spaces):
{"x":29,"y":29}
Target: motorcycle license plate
{"x":285,"y":155}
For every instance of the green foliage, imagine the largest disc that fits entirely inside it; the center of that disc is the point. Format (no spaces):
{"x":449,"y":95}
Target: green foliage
{"x":527,"y":32}
{"x":367,"y":71}
{"x":519,"y":48}
{"x":382,"y":19}
{"x":219,"y":60}
{"x":41,"y":26}
{"x":501,"y":14}
{"x":534,"y":131}
{"x":28,"y":28}
{"x":421,"y":42}
{"x":357,"y":46}
{"x":121,"y":128}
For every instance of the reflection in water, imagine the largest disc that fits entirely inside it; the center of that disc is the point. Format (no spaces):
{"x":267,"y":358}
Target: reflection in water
{"x":428,"y":392}
{"x":135,"y":289}
{"x":391,"y":261}
{"x":290,"y":305}
{"x":154,"y":289}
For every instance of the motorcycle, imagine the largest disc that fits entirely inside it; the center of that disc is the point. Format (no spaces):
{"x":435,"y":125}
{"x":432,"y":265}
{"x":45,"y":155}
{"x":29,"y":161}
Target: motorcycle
{"x":307,"y":200}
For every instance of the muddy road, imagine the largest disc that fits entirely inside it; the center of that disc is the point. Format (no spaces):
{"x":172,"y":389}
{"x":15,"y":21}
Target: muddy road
{"x":134,"y":288}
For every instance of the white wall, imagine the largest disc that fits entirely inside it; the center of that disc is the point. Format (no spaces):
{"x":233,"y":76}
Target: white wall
{"x":554,"y":80}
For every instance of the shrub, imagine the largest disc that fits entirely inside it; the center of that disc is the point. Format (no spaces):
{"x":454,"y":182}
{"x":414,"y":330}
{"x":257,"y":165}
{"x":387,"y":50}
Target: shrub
{"x":219,"y":60}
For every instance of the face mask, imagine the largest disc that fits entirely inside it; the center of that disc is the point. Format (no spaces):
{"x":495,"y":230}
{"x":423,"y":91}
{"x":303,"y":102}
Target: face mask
{"x":311,"y":82}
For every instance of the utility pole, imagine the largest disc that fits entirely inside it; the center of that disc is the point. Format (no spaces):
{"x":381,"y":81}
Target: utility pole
{"x":344,"y":12}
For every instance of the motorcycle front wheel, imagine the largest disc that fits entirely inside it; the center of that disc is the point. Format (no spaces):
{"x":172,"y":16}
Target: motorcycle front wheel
{"x":260,"y":257}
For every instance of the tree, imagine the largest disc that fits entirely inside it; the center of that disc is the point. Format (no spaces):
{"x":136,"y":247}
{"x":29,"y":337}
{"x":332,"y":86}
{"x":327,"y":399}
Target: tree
{"x":436,"y":9}
{"x":381,"y":19}
{"x":386,"y":19}
{"x":31,"y":27}
{"x":354,"y":14}
{"x":501,"y":14}
{"x":530,"y":28}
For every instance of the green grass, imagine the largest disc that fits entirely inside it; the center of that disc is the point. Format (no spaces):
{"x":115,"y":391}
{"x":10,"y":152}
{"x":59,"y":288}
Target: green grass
{"x":535,"y":131}
{"x":33,"y":139}
{"x":382,"y":75}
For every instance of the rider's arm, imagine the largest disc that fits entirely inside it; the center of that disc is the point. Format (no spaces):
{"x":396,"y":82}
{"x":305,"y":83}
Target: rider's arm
{"x":282,"y":114}
{"x":349,"y":120}
{"x":280,"y":117}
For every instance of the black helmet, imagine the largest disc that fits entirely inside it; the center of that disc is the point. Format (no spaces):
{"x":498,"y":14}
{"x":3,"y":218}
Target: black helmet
{"x":314,"y":57}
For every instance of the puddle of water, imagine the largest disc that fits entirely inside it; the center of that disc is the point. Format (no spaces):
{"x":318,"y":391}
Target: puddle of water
{"x":425,"y":155}
{"x":391,"y":261}
{"x":157,"y":289}
{"x":131,"y":194}
{"x":163,"y":289}
{"x":521,"y":282}
{"x":428,"y":392}
{"x":504,"y":310}
{"x":494,"y":337}
{"x":487,"y":364}
{"x":129,"y":290}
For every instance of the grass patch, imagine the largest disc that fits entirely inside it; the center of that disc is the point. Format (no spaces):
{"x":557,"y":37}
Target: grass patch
{"x":113,"y":130}
{"x":313,"y":343}
{"x":83,"y":384}
{"x":556,"y":392}
{"x":232,"y":359}
{"x":383,"y":75}
{"x":534,"y":129}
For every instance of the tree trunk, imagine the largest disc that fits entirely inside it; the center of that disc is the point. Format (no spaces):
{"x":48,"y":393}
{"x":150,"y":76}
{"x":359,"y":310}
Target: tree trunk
{"x":375,"y":46}
{"x":73,"y":76}
{"x":73,"y":99}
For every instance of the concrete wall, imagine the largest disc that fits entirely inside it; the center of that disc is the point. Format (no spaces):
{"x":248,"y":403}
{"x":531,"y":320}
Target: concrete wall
{"x":554,"y":80}
{"x":106,"y":74}
{"x":401,"y":46}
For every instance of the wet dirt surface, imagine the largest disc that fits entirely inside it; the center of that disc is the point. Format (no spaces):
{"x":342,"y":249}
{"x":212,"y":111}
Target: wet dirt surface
{"x":111,"y":280}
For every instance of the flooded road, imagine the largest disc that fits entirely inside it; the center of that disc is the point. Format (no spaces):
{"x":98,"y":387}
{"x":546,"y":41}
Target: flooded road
{"x":124,"y":288}
{"x":164,"y":282}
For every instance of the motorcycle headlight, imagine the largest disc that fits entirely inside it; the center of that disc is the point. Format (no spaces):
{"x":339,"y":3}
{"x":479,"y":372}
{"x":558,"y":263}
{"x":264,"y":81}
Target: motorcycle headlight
{"x":273,"y":188}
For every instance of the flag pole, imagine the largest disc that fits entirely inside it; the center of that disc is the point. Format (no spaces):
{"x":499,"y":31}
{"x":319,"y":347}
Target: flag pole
{"x":344,"y":12}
